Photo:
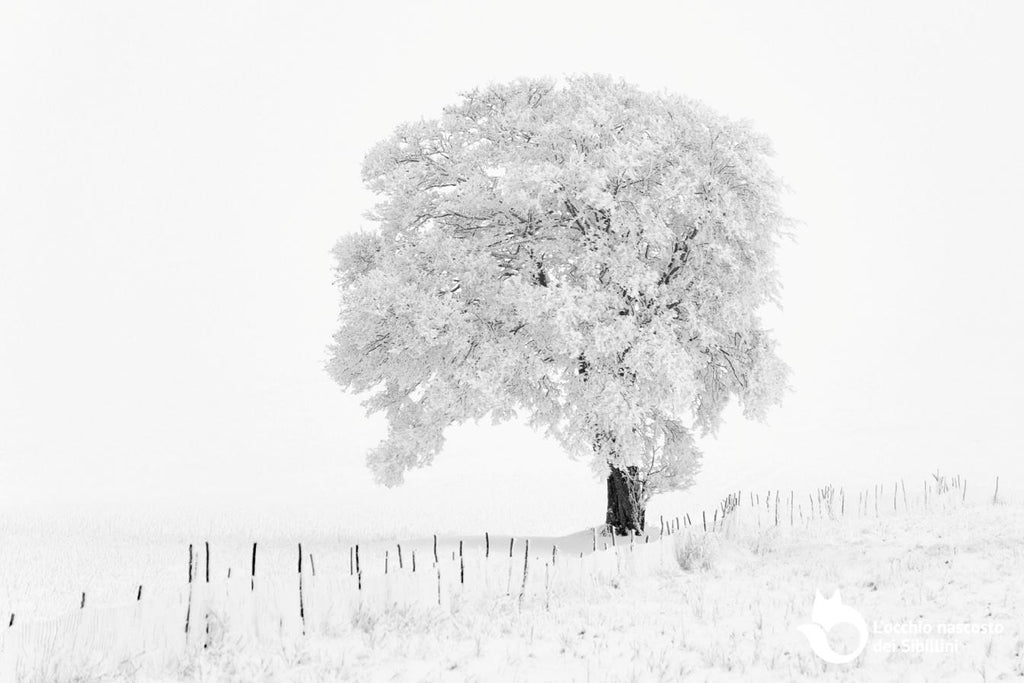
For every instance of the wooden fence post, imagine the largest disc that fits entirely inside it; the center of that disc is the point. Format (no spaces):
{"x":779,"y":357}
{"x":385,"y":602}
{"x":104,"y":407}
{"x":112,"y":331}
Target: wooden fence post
{"x":526,"y":566}
{"x":508,"y":586}
{"x":302,"y":604}
{"x":206,"y":615}
{"x":252,"y":574}
{"x":188,"y":612}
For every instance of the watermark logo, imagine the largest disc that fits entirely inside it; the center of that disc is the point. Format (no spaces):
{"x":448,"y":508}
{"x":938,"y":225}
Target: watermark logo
{"x":826,"y":614}
{"x":888,"y":637}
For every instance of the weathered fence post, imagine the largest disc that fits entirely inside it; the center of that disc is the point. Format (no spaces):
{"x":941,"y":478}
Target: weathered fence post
{"x":252,"y":574}
{"x":302,"y":604}
{"x":526,"y":566}
{"x":206,"y":613}
{"x":188,"y":612}
{"x":508,"y":586}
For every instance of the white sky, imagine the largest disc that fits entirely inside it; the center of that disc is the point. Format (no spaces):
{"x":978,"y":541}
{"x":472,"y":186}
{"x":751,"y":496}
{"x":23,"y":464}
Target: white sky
{"x":173,"y":176}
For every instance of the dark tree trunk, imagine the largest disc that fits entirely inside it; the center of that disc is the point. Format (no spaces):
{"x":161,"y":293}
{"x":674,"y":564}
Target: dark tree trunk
{"x":625,"y":508}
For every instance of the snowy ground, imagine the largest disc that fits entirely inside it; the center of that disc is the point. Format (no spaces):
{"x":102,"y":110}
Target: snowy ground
{"x":736,"y":620}
{"x":724,"y":606}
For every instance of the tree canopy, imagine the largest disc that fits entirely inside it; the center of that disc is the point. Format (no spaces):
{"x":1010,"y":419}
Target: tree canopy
{"x":587,"y":255}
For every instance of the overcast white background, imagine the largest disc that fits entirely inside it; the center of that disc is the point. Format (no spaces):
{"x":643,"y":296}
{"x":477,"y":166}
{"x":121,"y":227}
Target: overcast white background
{"x":174,"y":175}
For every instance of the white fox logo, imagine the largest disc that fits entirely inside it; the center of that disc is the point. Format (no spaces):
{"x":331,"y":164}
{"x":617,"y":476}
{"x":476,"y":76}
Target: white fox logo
{"x":827,"y":613}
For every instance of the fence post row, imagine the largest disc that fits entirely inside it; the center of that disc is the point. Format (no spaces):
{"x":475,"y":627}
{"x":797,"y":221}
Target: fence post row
{"x":553,"y":569}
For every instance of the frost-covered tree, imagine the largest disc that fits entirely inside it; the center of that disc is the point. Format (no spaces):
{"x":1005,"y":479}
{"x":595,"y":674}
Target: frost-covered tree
{"x":587,"y":255}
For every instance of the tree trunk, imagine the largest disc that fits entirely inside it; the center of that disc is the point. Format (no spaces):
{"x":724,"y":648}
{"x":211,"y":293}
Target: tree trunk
{"x":625,"y":508}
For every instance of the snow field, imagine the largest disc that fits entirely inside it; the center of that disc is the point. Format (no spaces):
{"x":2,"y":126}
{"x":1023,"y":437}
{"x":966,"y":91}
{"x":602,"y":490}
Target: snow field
{"x":721,"y":605}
